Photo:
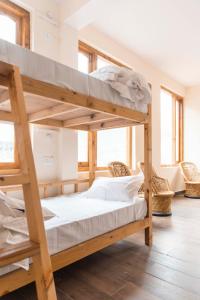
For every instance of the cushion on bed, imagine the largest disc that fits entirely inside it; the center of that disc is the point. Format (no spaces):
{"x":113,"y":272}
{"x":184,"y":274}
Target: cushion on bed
{"x":115,"y":188}
{"x":16,"y":207}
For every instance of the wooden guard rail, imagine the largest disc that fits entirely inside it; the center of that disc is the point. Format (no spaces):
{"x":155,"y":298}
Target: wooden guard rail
{"x":45,"y":185}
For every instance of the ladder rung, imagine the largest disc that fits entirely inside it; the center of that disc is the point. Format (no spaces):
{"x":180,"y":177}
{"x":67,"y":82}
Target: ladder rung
{"x":7,"y":116}
{"x":14,"y":253}
{"x":14,"y":179}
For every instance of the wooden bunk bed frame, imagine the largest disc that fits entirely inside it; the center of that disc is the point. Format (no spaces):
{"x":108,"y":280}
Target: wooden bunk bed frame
{"x":61,"y":107}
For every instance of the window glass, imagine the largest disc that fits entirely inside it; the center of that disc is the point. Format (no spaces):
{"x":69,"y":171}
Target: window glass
{"x":7,"y":29}
{"x":166,"y":128}
{"x":83,"y":62}
{"x":82,"y":146}
{"x":7,"y":142}
{"x":101,"y":62}
{"x":111,"y":145}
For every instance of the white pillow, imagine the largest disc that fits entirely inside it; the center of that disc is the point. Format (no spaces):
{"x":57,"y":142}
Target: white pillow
{"x":115,"y":188}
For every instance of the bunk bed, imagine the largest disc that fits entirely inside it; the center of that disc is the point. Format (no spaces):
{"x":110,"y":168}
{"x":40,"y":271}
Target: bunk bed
{"x":80,"y":103}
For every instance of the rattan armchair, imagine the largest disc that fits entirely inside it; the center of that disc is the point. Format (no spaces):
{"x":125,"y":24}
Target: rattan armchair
{"x":191,"y":176}
{"x":162,"y":194}
{"x":118,"y":169}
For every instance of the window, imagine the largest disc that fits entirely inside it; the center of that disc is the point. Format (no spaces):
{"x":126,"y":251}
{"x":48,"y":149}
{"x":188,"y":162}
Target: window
{"x":171,"y":128}
{"x":14,"y":24}
{"x":112,"y":144}
{"x":83,"y":150}
{"x":15,"y":28}
{"x":8,"y":156}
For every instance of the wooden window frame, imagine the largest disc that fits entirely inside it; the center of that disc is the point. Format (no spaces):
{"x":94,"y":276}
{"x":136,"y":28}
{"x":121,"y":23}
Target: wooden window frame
{"x":180,"y":100}
{"x":22,"y":19}
{"x":93,"y":54}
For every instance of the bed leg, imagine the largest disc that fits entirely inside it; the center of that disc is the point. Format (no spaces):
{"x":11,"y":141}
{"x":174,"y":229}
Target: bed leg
{"x":148,"y":176}
{"x":148,"y":236}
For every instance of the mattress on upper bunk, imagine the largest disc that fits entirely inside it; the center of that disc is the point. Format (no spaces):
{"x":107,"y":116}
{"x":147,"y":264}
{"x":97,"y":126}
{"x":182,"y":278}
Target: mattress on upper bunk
{"x":79,"y":219}
{"x":42,"y":68}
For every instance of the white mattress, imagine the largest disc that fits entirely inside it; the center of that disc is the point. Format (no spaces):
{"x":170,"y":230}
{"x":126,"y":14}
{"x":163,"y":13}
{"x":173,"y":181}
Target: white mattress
{"x":79,"y":219}
{"x":42,"y":68}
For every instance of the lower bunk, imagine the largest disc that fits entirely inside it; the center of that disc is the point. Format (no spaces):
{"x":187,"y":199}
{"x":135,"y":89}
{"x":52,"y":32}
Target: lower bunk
{"x":80,"y":226}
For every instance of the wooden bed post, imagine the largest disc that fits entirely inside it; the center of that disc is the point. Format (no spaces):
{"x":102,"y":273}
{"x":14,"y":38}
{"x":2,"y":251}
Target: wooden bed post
{"x":148,"y":175}
{"x":42,"y":263}
{"x":92,"y":155}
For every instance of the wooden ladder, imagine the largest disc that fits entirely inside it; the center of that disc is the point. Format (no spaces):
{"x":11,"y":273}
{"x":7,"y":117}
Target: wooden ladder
{"x":36,"y":248}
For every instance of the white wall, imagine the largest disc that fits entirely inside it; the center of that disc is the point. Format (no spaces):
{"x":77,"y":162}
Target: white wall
{"x":192,"y":125}
{"x":55,"y":151}
{"x":52,"y":37}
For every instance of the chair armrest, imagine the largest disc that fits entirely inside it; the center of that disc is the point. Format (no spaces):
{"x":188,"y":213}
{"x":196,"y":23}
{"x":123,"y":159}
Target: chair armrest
{"x":160,"y":184}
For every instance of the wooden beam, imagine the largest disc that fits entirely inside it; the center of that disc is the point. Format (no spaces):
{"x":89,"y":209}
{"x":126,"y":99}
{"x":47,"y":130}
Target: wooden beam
{"x":7,"y":116}
{"x":91,"y":118}
{"x":65,"y":95}
{"x":49,"y":123}
{"x":92,"y":157}
{"x":4,"y":96}
{"x":14,"y":253}
{"x":118,"y":122}
{"x":52,"y":111}
{"x":148,"y":176}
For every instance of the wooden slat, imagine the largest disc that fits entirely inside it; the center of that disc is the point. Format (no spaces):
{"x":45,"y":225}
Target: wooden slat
{"x":7,"y":116}
{"x":48,"y":183}
{"x":148,"y":176}
{"x":118,"y":122}
{"x":14,"y":253}
{"x":21,"y":277}
{"x":92,"y":155}
{"x":88,"y":119}
{"x":14,"y":179}
{"x":49,"y":123}
{"x":52,"y":111}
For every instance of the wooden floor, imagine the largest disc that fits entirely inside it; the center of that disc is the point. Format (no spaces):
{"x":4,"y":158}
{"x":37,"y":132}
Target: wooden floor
{"x":129,"y":270}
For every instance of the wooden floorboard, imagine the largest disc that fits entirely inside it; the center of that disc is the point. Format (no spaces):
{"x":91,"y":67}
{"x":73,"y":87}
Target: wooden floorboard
{"x":129,"y":270}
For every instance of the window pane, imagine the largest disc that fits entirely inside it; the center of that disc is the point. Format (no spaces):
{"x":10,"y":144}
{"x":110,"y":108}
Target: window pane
{"x":7,"y":29}
{"x":6,"y":143}
{"x":166,"y":128}
{"x":101,"y":62}
{"x":111,"y":145}
{"x":83,"y":62}
{"x":82,"y":146}
{"x":177,"y":130}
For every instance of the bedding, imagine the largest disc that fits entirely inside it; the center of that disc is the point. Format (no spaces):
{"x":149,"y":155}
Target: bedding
{"x":42,"y":68}
{"x":130,"y":84}
{"x":115,"y":188}
{"x":76,"y":220}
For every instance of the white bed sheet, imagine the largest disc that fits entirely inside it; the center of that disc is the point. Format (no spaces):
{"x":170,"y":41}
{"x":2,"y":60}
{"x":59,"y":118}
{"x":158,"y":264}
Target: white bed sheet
{"x":79,"y":219}
{"x":42,"y":68}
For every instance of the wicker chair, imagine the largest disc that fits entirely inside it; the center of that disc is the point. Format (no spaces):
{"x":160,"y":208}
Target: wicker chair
{"x":118,"y":169}
{"x":191,"y":176}
{"x":162,"y":194}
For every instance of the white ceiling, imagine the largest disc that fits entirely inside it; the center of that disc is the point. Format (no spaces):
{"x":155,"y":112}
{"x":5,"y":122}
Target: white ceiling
{"x":164,"y":32}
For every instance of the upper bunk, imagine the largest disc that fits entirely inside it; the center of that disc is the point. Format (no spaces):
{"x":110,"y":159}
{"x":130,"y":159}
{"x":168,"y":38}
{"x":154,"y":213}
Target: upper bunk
{"x":59,"y":96}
